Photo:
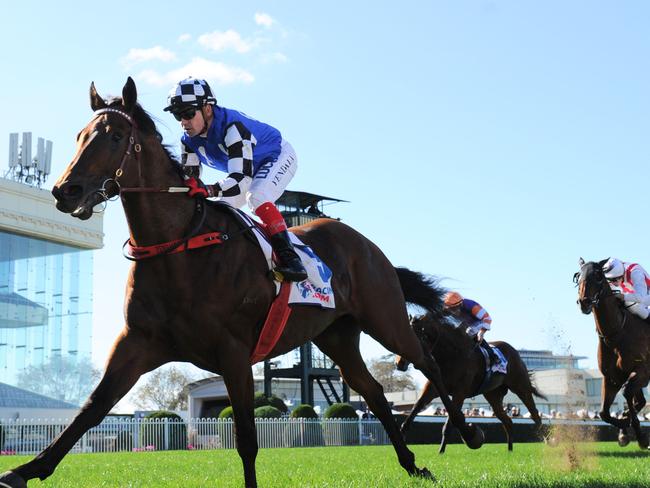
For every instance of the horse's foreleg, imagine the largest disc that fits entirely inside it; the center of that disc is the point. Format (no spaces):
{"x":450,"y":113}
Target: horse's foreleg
{"x":131,"y":357}
{"x":238,"y":377}
{"x":608,"y":393}
{"x":631,"y":389}
{"x":472,"y":435}
{"x":428,"y":394}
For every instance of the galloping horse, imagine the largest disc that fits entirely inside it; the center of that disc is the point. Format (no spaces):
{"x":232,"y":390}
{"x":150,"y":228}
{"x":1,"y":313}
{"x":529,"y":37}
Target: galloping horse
{"x":623,"y":348}
{"x":206,"y":305}
{"x":463,"y":371}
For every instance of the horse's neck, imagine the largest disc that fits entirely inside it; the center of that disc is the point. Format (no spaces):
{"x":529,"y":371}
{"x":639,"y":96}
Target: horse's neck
{"x":155,"y":218}
{"x":608,"y":316}
{"x":448,"y":341}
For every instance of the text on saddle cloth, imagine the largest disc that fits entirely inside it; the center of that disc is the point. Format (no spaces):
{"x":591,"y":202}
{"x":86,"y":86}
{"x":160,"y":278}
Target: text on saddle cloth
{"x":317,"y":288}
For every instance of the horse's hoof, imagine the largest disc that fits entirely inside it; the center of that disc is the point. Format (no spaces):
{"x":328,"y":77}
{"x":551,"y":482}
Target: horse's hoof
{"x":424,"y":473}
{"x":643,"y":441}
{"x":478,"y":438}
{"x":623,"y":440}
{"x":9,"y":479}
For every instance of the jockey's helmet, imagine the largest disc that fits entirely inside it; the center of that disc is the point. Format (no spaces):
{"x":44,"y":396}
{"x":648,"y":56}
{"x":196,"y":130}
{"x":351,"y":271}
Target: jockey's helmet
{"x":453,"y":299}
{"x":190,"y":92}
{"x":613,"y":269}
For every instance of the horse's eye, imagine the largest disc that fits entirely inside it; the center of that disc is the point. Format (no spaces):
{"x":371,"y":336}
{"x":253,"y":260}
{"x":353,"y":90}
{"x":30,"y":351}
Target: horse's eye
{"x":117,"y":137}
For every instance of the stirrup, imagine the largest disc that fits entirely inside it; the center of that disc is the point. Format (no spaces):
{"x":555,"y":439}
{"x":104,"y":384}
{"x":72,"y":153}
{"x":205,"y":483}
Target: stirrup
{"x":283,"y":273}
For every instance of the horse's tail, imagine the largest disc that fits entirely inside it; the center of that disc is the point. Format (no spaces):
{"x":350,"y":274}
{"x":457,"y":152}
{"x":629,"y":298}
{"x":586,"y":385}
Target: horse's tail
{"x":422,"y":290}
{"x":533,"y":388}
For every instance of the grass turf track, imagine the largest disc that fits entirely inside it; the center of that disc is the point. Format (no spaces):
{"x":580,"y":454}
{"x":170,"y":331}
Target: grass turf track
{"x":588,"y":465}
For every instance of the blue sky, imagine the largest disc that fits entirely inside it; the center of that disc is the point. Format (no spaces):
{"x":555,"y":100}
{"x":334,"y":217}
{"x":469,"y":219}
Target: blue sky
{"x":489,"y":142}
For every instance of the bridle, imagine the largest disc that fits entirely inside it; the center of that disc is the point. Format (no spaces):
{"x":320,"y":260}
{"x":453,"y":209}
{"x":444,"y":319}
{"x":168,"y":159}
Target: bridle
{"x":595,"y":299}
{"x":134,"y":148}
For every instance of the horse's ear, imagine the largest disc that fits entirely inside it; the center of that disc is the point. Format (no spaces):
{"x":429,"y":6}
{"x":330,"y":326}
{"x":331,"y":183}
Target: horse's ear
{"x":602,"y":263}
{"x":96,"y":102}
{"x":129,"y":94}
{"x":581,"y":262}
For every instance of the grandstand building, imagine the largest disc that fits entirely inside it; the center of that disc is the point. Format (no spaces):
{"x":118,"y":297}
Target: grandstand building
{"x":45,"y":280}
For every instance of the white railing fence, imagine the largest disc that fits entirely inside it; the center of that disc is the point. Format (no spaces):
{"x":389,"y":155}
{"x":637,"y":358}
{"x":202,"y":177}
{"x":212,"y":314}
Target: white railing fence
{"x":31,"y":437}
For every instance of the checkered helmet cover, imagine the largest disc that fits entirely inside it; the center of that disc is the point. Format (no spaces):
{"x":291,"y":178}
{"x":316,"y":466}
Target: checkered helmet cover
{"x":190,"y":92}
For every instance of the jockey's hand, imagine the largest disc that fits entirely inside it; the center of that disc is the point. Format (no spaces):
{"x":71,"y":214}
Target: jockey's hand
{"x":197,"y":188}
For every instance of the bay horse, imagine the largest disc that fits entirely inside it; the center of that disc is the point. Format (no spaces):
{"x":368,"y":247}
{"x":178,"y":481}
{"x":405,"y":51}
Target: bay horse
{"x":463,"y":370}
{"x":207,"y":305}
{"x":623,"y":348}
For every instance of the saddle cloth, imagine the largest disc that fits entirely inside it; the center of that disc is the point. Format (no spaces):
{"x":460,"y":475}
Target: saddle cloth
{"x":317,"y":288}
{"x":502,"y":364}
{"x":493,"y":375}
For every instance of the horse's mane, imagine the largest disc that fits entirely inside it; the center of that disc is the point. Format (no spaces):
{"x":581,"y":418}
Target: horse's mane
{"x":146,"y":124}
{"x":443,"y":324}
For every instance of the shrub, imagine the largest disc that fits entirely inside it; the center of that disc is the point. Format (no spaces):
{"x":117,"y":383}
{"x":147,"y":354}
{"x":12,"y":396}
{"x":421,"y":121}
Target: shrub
{"x":341,"y":434}
{"x":341,"y":411}
{"x":152,"y":431}
{"x":267,"y":412}
{"x":278,"y":403}
{"x":304,"y":434}
{"x":226,"y":413}
{"x":260,"y":400}
{"x":304,"y":411}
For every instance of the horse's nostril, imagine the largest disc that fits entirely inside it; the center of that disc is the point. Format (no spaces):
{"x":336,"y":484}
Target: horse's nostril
{"x":67,"y":191}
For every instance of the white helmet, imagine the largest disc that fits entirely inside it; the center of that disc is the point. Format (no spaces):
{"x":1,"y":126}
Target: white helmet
{"x":613,"y":268}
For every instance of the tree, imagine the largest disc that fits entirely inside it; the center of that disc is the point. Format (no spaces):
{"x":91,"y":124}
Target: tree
{"x":61,"y":378}
{"x":383,"y":370}
{"x":164,"y":389}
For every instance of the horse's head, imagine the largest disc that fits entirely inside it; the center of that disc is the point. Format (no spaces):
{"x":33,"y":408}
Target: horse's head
{"x":104,"y":148}
{"x":592,"y":284}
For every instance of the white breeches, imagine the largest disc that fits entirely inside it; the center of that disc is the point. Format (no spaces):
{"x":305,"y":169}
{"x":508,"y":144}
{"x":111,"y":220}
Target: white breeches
{"x":269,"y":181}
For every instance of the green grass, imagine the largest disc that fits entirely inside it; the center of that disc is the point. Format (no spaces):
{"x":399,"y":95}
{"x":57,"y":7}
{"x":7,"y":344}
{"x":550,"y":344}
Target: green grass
{"x":530,"y":465}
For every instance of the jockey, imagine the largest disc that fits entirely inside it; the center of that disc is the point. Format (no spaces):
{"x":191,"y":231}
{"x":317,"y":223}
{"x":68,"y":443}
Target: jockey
{"x":634,"y":283}
{"x":477,"y":318}
{"x":258,"y":160}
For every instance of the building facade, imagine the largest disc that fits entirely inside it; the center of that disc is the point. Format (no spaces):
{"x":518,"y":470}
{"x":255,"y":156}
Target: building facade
{"x":45,"y":280}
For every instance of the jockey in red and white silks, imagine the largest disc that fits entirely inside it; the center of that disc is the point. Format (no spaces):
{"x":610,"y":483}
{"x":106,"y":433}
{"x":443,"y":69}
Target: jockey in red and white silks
{"x":633,"y":282}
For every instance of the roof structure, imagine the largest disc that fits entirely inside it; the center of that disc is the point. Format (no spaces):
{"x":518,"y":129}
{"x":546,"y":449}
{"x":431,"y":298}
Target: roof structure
{"x":302,"y":199}
{"x":12,"y":397}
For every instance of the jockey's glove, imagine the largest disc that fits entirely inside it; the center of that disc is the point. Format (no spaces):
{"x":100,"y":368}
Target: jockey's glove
{"x":197,"y":188}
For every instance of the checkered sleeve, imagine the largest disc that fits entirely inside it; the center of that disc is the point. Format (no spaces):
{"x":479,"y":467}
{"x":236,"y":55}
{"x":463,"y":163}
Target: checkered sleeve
{"x":190,"y":162}
{"x":240,"y":144}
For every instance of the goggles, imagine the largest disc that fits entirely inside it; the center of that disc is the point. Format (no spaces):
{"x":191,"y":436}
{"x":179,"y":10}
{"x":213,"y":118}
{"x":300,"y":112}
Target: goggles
{"x":187,"y":114}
